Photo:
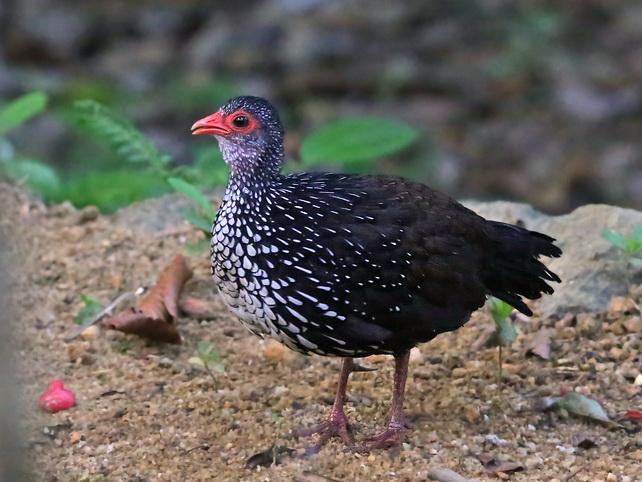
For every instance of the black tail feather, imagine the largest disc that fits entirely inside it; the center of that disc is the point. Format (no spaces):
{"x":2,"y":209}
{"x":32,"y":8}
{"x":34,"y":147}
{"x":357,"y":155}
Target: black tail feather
{"x":515,"y":271}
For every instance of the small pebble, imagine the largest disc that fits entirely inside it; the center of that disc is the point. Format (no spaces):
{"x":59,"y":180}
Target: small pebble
{"x":621,"y":304}
{"x":534,"y":461}
{"x":445,"y":475}
{"x":86,"y":214}
{"x":416,"y":356}
{"x":275,"y":352}
{"x":636,"y":455}
{"x":90,"y":333}
{"x":617,"y":328}
{"x":633,"y":324}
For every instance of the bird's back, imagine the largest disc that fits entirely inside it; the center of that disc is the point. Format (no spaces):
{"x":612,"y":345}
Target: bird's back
{"x":351,"y":266}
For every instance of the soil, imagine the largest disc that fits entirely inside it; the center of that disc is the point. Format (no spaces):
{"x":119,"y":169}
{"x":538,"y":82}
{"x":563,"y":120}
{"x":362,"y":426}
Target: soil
{"x":146,"y":413}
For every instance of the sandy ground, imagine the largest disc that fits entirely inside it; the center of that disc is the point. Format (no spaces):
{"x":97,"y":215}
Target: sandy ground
{"x":145,"y":413}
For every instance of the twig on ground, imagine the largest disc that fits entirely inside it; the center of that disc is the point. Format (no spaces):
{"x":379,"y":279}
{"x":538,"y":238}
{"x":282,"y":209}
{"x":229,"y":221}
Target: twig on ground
{"x":95,"y":319}
{"x":575,"y":472}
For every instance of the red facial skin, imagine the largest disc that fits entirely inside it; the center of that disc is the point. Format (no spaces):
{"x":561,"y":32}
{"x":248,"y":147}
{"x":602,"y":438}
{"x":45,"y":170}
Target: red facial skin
{"x":56,"y":398}
{"x":223,"y":125}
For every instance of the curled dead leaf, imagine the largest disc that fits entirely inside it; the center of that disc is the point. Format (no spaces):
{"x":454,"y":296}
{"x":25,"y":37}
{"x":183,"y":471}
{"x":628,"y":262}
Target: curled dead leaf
{"x":155,"y":317}
{"x":491,"y":464}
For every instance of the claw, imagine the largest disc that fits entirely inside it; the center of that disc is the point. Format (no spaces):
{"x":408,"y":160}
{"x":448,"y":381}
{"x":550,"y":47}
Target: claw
{"x":335,"y":426}
{"x":386,"y":440}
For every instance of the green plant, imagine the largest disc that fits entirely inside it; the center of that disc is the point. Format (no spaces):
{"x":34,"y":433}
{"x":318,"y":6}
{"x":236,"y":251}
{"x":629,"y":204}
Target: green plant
{"x":630,"y":245}
{"x":40,"y":177}
{"x":131,"y":145}
{"x":208,"y":358}
{"x":89,"y":311}
{"x":506,"y":330}
{"x":21,"y":110}
{"x":119,"y":134}
{"x":355,"y":143}
{"x":501,"y":311}
{"x":201,"y":219}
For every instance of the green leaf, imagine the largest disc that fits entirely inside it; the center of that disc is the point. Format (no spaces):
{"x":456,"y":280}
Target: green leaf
{"x":197,"y":219}
{"x":110,"y":190}
{"x":196,"y":361}
{"x":637,"y":234}
{"x":40,"y":177}
{"x":193,"y":193}
{"x":507,"y":331}
{"x":578,"y":404}
{"x":354,"y":141}
{"x":92,"y":308}
{"x":120,"y":135}
{"x":209,"y":356}
{"x":633,"y":245}
{"x":204,"y":348}
{"x":615,"y":238}
{"x":197,"y":248}
{"x":499,"y":309}
{"x":21,"y":110}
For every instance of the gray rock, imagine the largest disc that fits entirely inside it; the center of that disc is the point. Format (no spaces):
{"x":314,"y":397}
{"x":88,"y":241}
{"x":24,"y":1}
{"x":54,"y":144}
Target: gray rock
{"x":154,"y":215}
{"x":592,"y":270}
{"x":446,"y":475}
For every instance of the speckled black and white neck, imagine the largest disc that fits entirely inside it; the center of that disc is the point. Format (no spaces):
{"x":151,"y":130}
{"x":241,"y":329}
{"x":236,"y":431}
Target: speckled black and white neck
{"x":355,"y":265}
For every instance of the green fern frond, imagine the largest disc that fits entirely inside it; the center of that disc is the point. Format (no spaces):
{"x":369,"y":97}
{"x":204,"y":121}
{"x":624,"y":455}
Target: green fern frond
{"x":120,"y":135}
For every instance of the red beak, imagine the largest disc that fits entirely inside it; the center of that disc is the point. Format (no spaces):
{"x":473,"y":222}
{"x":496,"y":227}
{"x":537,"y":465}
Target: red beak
{"x":212,"y":124}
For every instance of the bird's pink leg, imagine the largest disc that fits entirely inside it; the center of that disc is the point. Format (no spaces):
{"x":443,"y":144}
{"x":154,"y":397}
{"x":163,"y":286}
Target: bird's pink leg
{"x":393,"y":434}
{"x":337,"y":424}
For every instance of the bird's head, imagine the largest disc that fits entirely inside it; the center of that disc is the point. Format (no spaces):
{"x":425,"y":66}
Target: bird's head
{"x":247,"y":129}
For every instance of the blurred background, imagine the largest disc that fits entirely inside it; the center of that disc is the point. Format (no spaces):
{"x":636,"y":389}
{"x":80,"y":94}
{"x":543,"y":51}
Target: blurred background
{"x":534,"y":101}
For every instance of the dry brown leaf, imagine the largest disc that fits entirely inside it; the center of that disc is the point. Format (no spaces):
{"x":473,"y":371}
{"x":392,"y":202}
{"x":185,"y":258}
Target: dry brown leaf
{"x":491,"y":464}
{"x":155,"y":317}
{"x":540,"y":344}
{"x":583,"y":441}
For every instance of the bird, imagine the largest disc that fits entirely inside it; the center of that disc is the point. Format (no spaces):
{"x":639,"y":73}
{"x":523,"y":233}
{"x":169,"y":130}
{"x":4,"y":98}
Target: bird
{"x":349,"y":266}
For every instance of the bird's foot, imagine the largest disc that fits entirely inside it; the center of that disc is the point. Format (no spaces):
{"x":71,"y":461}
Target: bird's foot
{"x":337,"y":425}
{"x":390,"y":438}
